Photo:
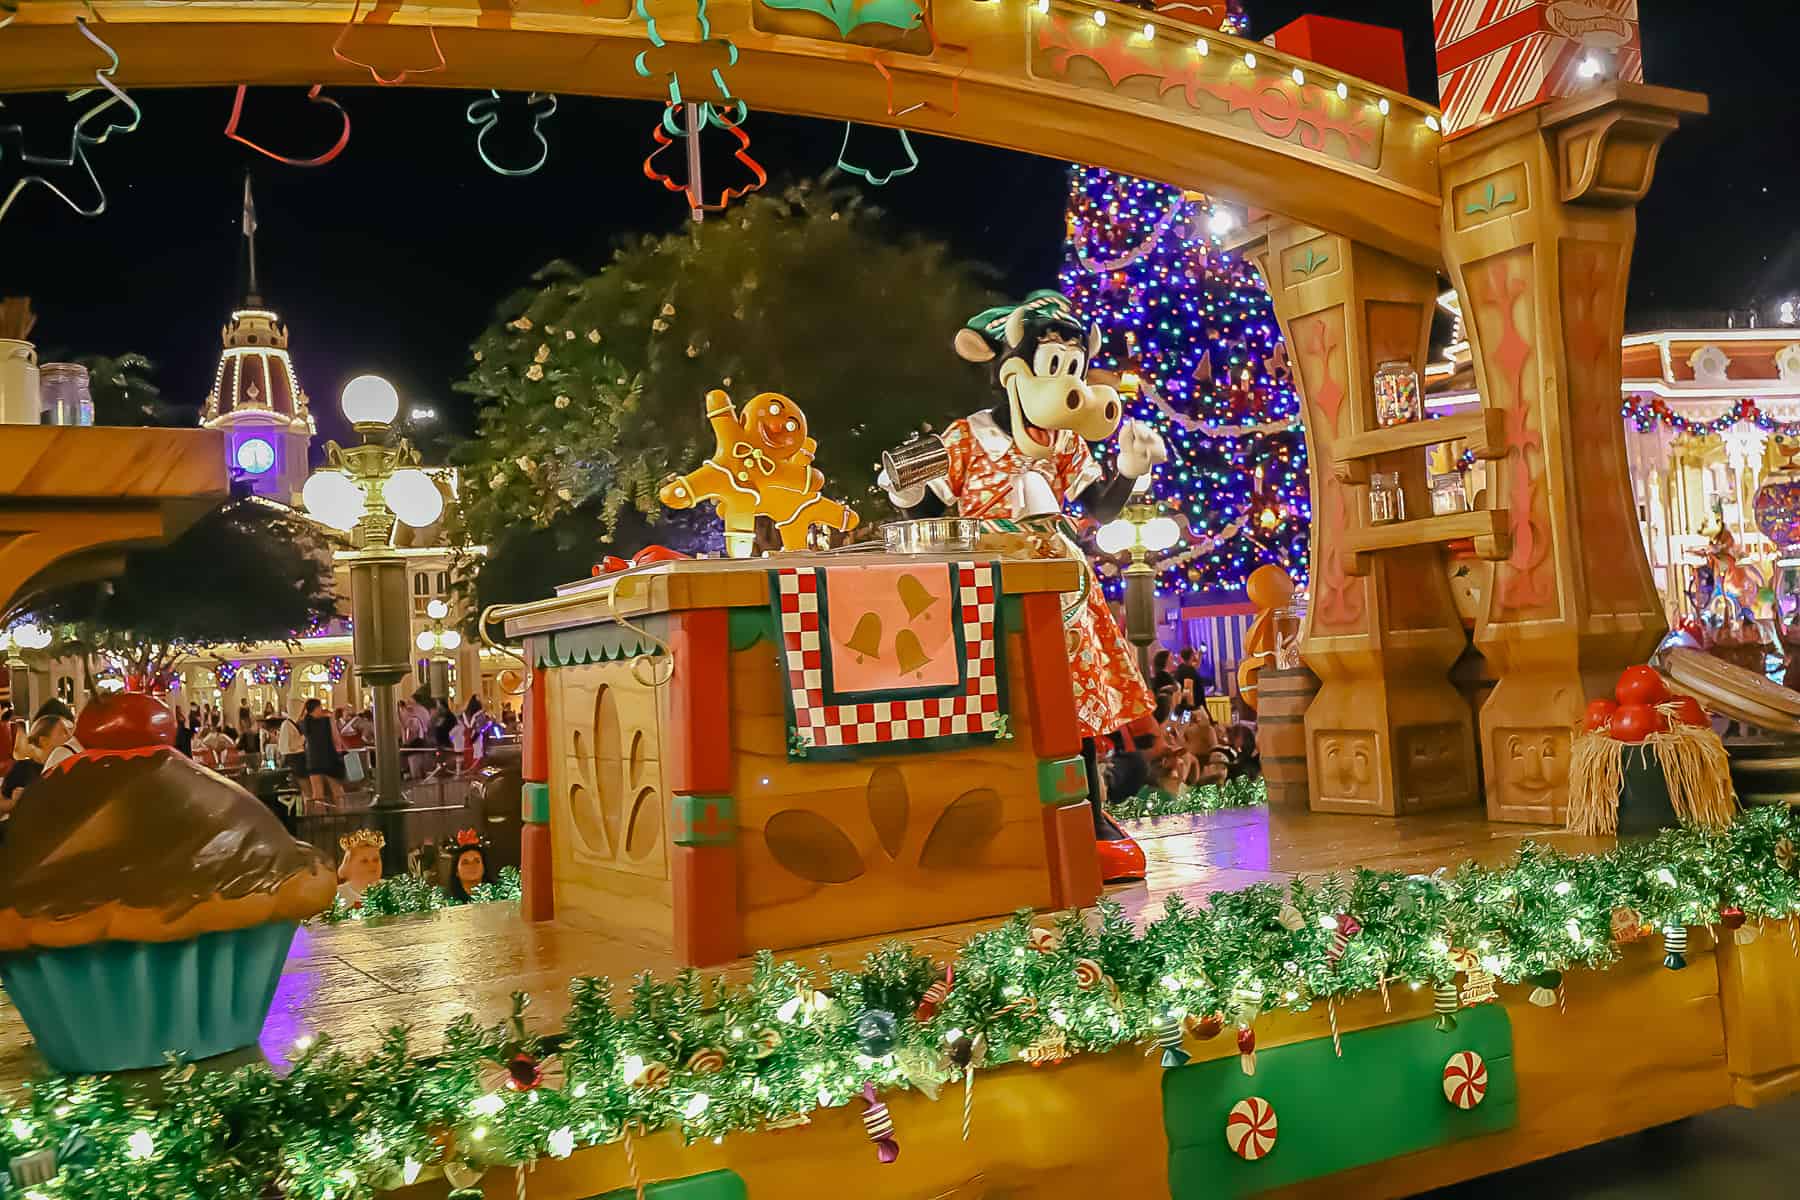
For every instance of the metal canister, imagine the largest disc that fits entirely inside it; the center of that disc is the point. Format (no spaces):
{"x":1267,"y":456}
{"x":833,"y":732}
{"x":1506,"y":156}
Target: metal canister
{"x":19,"y":402}
{"x":916,"y":463}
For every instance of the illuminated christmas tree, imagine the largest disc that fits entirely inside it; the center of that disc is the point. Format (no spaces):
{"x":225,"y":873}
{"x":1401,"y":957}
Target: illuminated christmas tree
{"x":1192,"y":326}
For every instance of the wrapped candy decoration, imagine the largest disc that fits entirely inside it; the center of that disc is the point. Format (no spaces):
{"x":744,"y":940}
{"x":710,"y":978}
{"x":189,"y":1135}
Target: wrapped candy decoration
{"x":708,"y":1060}
{"x":1465,"y":1079}
{"x":879,"y":1126}
{"x":1732,"y":918}
{"x":1343,"y":928}
{"x":1443,"y":1002}
{"x":1042,"y":940}
{"x":1250,"y":1128}
{"x":1168,"y":1036}
{"x":935,"y":995}
{"x":1088,"y":974}
{"x":1290,"y":918}
{"x":1205,"y":1027}
{"x":1675,"y":943}
{"x":1246,"y":1041}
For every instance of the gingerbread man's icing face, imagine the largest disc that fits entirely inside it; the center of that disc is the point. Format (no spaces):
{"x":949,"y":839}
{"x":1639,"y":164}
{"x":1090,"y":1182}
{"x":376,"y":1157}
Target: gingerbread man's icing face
{"x":777,"y":423}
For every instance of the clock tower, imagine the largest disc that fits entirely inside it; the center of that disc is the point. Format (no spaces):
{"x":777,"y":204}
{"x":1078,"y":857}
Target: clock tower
{"x":256,"y":400}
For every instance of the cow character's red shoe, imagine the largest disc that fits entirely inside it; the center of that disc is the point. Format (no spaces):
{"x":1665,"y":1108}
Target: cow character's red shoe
{"x":1121,"y":860}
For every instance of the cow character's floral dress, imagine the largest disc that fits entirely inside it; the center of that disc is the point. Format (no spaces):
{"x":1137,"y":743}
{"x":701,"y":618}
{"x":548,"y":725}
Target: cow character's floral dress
{"x":987,"y":478}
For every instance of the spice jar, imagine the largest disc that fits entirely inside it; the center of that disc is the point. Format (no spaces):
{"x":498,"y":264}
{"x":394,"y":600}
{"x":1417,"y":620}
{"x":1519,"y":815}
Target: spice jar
{"x":1448,"y":495}
{"x":1387,"y":503}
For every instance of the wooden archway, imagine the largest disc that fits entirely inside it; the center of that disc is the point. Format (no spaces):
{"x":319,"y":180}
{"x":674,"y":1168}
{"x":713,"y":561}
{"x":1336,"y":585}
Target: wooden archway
{"x":1230,"y":119}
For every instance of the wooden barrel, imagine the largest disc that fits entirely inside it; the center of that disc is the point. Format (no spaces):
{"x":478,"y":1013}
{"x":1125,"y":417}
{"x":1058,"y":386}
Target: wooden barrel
{"x":1765,"y":768}
{"x":1281,"y":700}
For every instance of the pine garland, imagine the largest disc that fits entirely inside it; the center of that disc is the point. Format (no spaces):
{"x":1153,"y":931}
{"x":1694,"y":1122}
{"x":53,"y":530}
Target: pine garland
{"x":408,"y":895}
{"x":713,"y":1056}
{"x":1242,"y":792}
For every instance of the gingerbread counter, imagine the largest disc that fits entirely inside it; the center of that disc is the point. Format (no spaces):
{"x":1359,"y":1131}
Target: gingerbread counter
{"x":729,"y":755}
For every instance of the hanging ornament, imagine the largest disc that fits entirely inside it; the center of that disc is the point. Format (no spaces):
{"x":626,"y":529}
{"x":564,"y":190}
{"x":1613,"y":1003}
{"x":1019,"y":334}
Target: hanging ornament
{"x":764,"y":1042}
{"x":1343,"y":928}
{"x":1478,"y":986}
{"x":1627,"y":925}
{"x":29,"y":1170}
{"x":1050,"y":1048}
{"x":876,"y":1031}
{"x":1246,"y":1042}
{"x":1250,"y":1128}
{"x":1465,"y":1079}
{"x":1544,"y":987}
{"x":1732,"y":918}
{"x":1675,"y":944}
{"x":1443,"y":1002}
{"x":523,"y":1073}
{"x":1290,"y":918}
{"x":708,"y":1060}
{"x":651,"y":1075}
{"x":1042,"y":940}
{"x":1205,"y":1028}
{"x":935,"y":995}
{"x":1168,"y":1036}
{"x":879,"y":1126}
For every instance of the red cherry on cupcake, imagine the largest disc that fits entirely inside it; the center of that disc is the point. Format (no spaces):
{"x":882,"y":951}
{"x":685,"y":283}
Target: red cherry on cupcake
{"x":1641,"y":685}
{"x":1599,"y":715}
{"x":125,"y":721}
{"x":1688,"y":711}
{"x":1635,"y":722}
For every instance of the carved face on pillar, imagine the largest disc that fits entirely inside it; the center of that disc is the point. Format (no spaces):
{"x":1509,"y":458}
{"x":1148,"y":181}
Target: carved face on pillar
{"x":1534,"y":766}
{"x":1347,"y":765}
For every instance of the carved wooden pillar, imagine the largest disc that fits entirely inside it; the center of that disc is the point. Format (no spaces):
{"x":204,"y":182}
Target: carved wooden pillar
{"x":1539,"y":220}
{"x":1387,"y":733}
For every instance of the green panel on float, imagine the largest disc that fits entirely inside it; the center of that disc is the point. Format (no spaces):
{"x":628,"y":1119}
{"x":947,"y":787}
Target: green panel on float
{"x":714,"y":1185}
{"x":1384,"y":1098}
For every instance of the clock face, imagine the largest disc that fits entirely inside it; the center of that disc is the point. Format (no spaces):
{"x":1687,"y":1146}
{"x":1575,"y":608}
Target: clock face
{"x":254,"y":455}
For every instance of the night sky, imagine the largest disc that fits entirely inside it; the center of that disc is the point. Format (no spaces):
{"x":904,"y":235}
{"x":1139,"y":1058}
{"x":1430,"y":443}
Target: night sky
{"x":392,"y":258}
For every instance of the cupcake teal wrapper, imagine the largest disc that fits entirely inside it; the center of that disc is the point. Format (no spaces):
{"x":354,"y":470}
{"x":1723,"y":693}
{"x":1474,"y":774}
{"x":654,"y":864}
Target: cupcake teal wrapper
{"x":119,"y":1006}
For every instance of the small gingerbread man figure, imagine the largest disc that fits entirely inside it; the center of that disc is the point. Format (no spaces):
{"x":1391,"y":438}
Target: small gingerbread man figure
{"x":761,"y":465}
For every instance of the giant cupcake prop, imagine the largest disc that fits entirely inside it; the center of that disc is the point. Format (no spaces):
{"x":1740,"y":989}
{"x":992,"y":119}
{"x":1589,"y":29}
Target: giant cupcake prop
{"x":146,"y":903}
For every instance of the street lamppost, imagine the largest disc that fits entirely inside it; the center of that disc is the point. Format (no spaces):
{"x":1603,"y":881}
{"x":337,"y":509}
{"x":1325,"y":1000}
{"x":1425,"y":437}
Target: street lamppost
{"x":361,"y":491}
{"x":439,"y":643}
{"x":1144,"y":531}
{"x":23,"y":636}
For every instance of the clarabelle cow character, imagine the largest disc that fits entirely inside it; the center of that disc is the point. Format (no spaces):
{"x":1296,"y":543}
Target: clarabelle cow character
{"x":1027,"y":457}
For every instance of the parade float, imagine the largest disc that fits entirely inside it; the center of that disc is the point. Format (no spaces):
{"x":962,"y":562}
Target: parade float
{"x":823,"y":773}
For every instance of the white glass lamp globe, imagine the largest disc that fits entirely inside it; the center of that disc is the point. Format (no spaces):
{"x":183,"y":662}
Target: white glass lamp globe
{"x":371,"y":400}
{"x":450,"y":639}
{"x":1115,"y":537}
{"x":426,"y":640}
{"x":1160,"y":533}
{"x":334,"y":498}
{"x":412,"y":496}
{"x":437,"y":610}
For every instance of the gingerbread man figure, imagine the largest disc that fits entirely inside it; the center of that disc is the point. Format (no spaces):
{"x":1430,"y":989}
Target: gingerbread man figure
{"x":761,"y":465}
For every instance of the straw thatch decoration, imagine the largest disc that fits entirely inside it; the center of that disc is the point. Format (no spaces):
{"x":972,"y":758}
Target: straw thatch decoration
{"x":1693,"y":764}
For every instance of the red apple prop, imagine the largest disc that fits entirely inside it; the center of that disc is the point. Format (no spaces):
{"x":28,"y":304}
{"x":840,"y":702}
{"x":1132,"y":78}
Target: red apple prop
{"x":1641,"y":685}
{"x":125,"y":721}
{"x":1688,"y":711}
{"x":1599,"y":715}
{"x":1635,"y":722}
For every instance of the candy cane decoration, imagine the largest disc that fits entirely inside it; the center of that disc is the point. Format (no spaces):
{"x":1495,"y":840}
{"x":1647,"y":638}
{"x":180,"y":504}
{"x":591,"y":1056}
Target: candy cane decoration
{"x":1250,"y":1128}
{"x":1386,"y":1005}
{"x":631,"y":1165}
{"x":1337,"y":1046}
{"x":879,"y":1126}
{"x":935,"y":995}
{"x":1465,"y":1079}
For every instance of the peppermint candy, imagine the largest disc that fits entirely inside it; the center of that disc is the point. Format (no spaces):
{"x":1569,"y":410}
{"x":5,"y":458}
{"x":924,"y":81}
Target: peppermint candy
{"x":1465,"y":1079}
{"x":1088,"y":974}
{"x":1250,"y":1128}
{"x":708,"y":1060}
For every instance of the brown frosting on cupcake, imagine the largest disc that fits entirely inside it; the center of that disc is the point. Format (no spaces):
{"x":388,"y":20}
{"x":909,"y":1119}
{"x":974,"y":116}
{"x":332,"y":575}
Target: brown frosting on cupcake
{"x":145,"y":845}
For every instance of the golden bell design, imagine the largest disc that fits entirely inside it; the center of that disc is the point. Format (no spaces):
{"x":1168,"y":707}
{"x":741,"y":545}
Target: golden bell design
{"x":865,"y":640}
{"x":918,"y":601}
{"x":912,"y":656}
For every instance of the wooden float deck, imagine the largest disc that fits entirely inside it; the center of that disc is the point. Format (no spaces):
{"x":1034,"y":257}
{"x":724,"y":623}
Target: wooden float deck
{"x":354,"y":981}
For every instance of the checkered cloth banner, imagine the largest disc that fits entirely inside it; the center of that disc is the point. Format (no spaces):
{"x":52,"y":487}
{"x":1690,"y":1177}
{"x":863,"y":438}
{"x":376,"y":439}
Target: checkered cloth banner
{"x":827,"y":722}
